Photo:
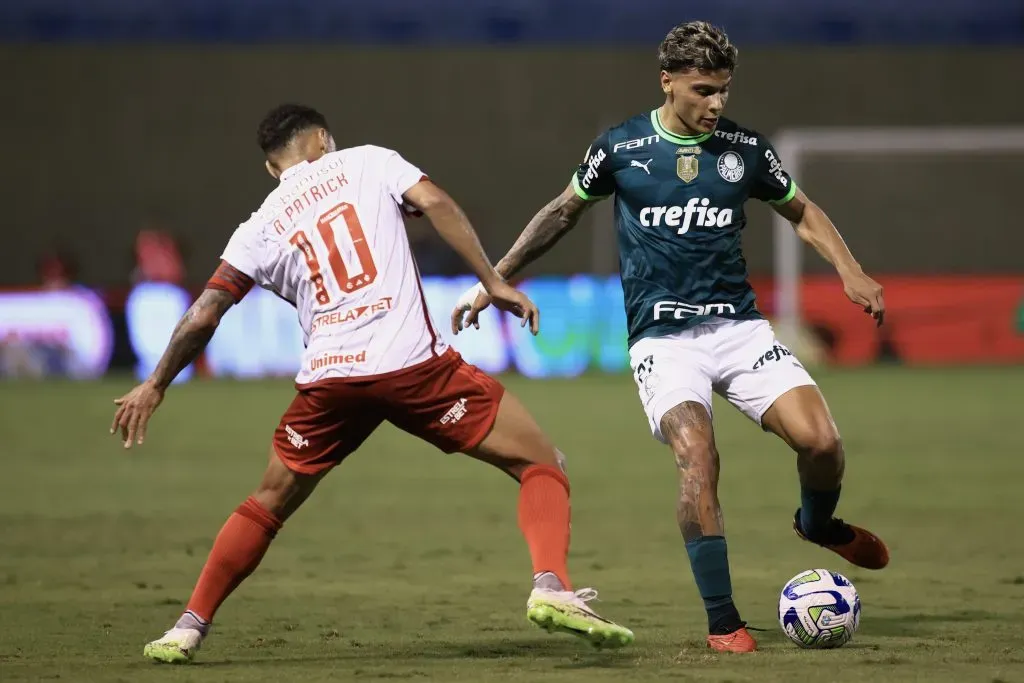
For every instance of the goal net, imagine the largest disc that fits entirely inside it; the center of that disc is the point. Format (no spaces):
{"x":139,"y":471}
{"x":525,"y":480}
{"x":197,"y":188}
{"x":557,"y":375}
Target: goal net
{"x":909,"y":201}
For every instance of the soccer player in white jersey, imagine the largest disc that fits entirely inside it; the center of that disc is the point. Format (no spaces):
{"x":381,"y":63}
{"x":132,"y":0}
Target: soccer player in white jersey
{"x":330,"y":240}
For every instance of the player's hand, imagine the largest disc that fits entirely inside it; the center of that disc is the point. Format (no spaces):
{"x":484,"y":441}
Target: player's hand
{"x":472,"y":301}
{"x":505,"y":297}
{"x":867,"y":294}
{"x":133,"y":412}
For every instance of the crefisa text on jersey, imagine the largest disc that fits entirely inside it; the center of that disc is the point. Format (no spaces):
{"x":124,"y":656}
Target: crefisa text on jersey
{"x":736,"y":136}
{"x":775,"y":167}
{"x":697,"y":211}
{"x":593,"y":161}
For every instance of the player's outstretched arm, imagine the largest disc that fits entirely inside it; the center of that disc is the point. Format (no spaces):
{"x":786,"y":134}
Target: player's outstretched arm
{"x":191,"y":335}
{"x":551,"y":223}
{"x":188,"y":340}
{"x":451,"y":223}
{"x":816,"y":229}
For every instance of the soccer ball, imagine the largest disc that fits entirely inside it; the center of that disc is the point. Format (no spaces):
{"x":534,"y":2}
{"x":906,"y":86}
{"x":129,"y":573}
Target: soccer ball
{"x":819,"y":609}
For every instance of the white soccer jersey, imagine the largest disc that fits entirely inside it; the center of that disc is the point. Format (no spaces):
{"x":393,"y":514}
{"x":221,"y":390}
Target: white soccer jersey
{"x":331,"y":241}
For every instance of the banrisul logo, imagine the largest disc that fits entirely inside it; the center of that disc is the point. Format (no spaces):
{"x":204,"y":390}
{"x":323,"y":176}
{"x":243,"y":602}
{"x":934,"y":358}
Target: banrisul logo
{"x":697,"y":212}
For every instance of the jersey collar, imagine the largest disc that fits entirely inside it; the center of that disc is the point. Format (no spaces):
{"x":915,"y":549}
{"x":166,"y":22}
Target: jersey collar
{"x":292,"y":170}
{"x":672,"y":137}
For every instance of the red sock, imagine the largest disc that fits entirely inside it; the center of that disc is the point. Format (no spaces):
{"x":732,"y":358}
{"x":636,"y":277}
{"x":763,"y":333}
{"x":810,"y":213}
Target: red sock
{"x":544,"y":519}
{"x":236,"y":553}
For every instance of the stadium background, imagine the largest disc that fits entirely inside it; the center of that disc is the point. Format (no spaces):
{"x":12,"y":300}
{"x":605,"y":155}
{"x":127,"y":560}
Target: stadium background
{"x":131,"y":159}
{"x":129,"y":133}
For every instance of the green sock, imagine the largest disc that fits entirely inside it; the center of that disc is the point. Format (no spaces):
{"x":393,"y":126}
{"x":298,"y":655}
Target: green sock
{"x":816,"y":509}
{"x":709,"y":560}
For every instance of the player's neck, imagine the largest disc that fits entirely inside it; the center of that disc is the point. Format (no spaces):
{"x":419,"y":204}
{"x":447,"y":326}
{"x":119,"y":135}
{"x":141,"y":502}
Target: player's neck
{"x":292,"y":161}
{"x":673,"y":124}
{"x":285,"y":162}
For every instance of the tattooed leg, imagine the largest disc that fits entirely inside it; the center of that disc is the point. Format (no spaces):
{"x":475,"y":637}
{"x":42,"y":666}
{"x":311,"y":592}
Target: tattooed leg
{"x":688,"y":429}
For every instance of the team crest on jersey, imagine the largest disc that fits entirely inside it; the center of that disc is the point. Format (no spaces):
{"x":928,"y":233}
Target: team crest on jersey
{"x":730,"y":167}
{"x":687,"y":163}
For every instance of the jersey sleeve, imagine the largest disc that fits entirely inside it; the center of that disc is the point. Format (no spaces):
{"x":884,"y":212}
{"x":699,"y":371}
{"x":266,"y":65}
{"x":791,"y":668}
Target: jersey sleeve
{"x":772,"y":183}
{"x":240,"y":262}
{"x":594,"y":179}
{"x":229,"y":279}
{"x":399,"y":175}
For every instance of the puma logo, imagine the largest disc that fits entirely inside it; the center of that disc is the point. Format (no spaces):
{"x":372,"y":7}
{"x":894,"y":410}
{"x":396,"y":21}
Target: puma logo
{"x":644,"y":165}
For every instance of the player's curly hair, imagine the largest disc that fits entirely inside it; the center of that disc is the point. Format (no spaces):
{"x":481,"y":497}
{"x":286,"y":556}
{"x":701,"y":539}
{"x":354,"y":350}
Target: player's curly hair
{"x":282,"y":123}
{"x":697,"y":45}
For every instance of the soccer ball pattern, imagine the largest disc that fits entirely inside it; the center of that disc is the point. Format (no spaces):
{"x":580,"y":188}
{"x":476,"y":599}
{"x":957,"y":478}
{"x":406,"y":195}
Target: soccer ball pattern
{"x":819,"y":608}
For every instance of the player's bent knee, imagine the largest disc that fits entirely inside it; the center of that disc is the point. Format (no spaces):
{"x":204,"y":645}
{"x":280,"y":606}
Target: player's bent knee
{"x":820,"y":458}
{"x":516,"y":441}
{"x":694,"y":450}
{"x":822,"y":444}
{"x":698,"y":473}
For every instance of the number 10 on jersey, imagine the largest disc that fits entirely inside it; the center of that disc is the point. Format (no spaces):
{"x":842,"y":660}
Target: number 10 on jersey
{"x":339,"y":222}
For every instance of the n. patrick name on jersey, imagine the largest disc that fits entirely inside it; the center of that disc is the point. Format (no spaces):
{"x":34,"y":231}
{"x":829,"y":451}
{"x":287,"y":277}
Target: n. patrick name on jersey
{"x":679,"y":213}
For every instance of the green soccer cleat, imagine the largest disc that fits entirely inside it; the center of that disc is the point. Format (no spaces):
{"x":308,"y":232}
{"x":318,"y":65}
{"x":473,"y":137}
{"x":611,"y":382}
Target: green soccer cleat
{"x":178,"y":646}
{"x":567,"y":612}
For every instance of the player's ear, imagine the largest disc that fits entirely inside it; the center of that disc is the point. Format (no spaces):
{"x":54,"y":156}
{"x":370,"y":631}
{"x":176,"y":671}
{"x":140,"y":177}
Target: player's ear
{"x":666,"y":82}
{"x":327,"y":144}
{"x":272,"y":170}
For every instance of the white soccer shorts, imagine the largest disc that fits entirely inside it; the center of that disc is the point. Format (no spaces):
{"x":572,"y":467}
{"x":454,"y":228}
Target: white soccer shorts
{"x":741,"y":360}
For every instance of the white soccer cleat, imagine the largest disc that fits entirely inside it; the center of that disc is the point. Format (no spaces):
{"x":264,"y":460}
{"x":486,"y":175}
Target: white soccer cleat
{"x":567,"y":611}
{"x":178,"y":646}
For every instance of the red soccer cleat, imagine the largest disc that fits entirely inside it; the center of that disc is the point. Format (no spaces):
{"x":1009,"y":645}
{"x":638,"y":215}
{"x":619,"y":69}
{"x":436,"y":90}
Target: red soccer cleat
{"x":855,"y":545}
{"x":739,"y":640}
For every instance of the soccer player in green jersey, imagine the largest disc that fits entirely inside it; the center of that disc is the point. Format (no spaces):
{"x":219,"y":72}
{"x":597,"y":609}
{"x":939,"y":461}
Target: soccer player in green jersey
{"x":680,"y":176}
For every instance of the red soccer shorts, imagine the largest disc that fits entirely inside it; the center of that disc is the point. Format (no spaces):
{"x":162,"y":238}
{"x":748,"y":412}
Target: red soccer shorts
{"x":444,"y":401}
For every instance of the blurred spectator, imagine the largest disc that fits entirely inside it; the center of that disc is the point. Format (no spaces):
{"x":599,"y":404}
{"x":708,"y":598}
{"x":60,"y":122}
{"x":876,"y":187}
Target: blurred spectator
{"x":56,"y":270}
{"x":34,"y":357}
{"x":157,"y":258}
{"x":19,"y":359}
{"x":39,"y":354}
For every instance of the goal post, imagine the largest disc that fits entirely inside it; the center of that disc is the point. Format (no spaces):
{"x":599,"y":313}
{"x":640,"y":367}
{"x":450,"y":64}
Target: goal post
{"x":795,"y":145}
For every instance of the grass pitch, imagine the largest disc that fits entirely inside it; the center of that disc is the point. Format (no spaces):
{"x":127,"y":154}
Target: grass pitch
{"x":407,"y":564}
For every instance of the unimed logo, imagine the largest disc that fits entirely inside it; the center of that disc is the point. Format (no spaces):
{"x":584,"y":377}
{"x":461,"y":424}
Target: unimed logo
{"x":337,"y":359}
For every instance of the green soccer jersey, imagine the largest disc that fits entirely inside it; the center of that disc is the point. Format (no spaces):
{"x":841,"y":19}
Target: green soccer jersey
{"x":678,"y":213}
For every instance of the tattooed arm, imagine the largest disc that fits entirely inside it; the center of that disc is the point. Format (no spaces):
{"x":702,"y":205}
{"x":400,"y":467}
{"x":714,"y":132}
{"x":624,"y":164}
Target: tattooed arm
{"x":594,"y":180}
{"x":188,"y":340}
{"x":191,"y":335}
{"x":551,"y":223}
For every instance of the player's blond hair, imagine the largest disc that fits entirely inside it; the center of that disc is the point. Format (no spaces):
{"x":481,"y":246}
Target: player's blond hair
{"x":697,"y":45}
